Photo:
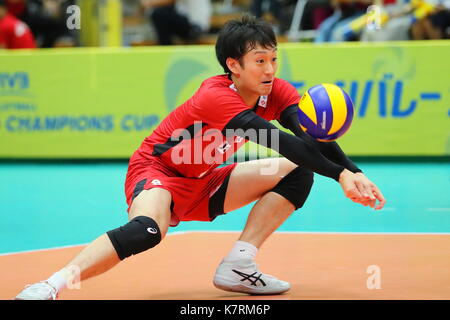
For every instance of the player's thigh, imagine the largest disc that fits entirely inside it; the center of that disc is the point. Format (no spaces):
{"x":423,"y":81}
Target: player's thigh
{"x":154,"y":203}
{"x":250,"y":180}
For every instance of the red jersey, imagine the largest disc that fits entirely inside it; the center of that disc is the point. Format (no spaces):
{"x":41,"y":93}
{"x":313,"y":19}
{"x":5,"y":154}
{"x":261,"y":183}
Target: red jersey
{"x":191,"y":140}
{"x":14,"y":34}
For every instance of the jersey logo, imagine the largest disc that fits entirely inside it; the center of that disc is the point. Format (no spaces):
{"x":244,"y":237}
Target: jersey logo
{"x":224,"y":147}
{"x":262,"y":101}
{"x":156,"y":182}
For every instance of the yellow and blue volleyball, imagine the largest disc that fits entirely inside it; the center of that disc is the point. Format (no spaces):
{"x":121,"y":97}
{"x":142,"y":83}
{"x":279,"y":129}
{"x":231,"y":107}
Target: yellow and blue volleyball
{"x":325,"y":112}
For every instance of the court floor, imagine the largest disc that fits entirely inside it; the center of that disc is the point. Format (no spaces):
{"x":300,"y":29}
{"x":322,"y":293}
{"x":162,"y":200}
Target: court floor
{"x":330,"y":249}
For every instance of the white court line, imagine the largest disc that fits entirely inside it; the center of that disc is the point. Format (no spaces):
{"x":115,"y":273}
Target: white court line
{"x":427,"y":209}
{"x":439,"y":209}
{"x":44,"y":249}
{"x":175,"y":233}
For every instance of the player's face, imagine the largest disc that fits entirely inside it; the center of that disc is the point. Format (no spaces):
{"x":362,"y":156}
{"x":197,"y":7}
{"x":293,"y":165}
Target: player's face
{"x":259,"y":66}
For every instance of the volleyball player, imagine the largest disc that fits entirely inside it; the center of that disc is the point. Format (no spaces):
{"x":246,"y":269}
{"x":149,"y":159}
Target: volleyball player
{"x":176,"y":174}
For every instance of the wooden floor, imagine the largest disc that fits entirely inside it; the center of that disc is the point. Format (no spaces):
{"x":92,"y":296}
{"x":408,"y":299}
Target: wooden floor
{"x":318,"y":266}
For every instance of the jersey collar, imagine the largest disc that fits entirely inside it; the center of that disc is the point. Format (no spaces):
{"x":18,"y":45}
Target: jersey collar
{"x":262,"y":101}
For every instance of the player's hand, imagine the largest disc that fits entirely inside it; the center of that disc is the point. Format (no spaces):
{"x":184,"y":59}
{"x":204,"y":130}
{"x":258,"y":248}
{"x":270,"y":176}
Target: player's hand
{"x":361,"y":190}
{"x":348,"y":185}
{"x":365,"y":183}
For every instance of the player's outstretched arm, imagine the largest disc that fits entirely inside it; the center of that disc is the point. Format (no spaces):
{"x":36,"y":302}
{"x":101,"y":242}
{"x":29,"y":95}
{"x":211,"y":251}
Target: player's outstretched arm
{"x":331,"y":150}
{"x":249,"y":125}
{"x":299,"y":151}
{"x":369,"y":191}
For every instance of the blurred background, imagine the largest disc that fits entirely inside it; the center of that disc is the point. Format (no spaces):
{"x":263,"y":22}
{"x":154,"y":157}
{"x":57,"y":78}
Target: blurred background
{"x":73,"y":23}
{"x":82,"y":83}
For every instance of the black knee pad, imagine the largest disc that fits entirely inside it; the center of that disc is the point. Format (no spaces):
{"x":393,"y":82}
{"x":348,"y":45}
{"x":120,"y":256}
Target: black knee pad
{"x":295,"y":186}
{"x":138,"y":235}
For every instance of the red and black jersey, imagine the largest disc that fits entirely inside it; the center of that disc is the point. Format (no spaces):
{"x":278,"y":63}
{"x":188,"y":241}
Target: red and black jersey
{"x":192,"y":139}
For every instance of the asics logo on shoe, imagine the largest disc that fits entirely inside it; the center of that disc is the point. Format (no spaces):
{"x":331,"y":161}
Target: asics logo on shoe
{"x":152,"y":230}
{"x":250,"y":277}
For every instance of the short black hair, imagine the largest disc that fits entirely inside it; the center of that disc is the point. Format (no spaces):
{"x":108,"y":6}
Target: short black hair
{"x":237,"y":37}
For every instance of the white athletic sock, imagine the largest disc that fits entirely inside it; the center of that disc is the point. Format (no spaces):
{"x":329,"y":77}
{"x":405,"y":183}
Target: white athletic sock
{"x":241,"y":250}
{"x":58,"y":281}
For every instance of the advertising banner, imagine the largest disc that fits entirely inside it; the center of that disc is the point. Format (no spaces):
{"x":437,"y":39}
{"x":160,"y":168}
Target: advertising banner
{"x":101,"y":103}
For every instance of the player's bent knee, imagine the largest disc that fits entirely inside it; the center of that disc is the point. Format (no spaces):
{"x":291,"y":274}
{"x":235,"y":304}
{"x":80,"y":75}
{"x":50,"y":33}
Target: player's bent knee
{"x":295,"y":186}
{"x":138,"y":235}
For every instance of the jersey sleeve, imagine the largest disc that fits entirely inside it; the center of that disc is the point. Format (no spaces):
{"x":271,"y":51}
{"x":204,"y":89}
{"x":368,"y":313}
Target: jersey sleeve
{"x":296,"y":149}
{"x":216,"y":107}
{"x":283,"y":95}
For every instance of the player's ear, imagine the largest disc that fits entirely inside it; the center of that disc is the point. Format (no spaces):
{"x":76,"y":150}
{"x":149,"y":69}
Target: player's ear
{"x":233,"y":65}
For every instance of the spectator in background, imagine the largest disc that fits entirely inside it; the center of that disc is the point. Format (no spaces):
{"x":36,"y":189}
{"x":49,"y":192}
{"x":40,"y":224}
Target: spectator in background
{"x":433,"y":21}
{"x":279,"y":11}
{"x":14,"y":33}
{"x":46,"y":18}
{"x":395,"y":23}
{"x":315,"y":13}
{"x":259,"y":7}
{"x":337,"y":26}
{"x":406,"y":20}
{"x":187,"y":19}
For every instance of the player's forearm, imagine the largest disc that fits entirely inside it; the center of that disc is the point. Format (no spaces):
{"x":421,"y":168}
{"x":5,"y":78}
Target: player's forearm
{"x":305,"y":154}
{"x":331,"y":150}
{"x":293,"y":148}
